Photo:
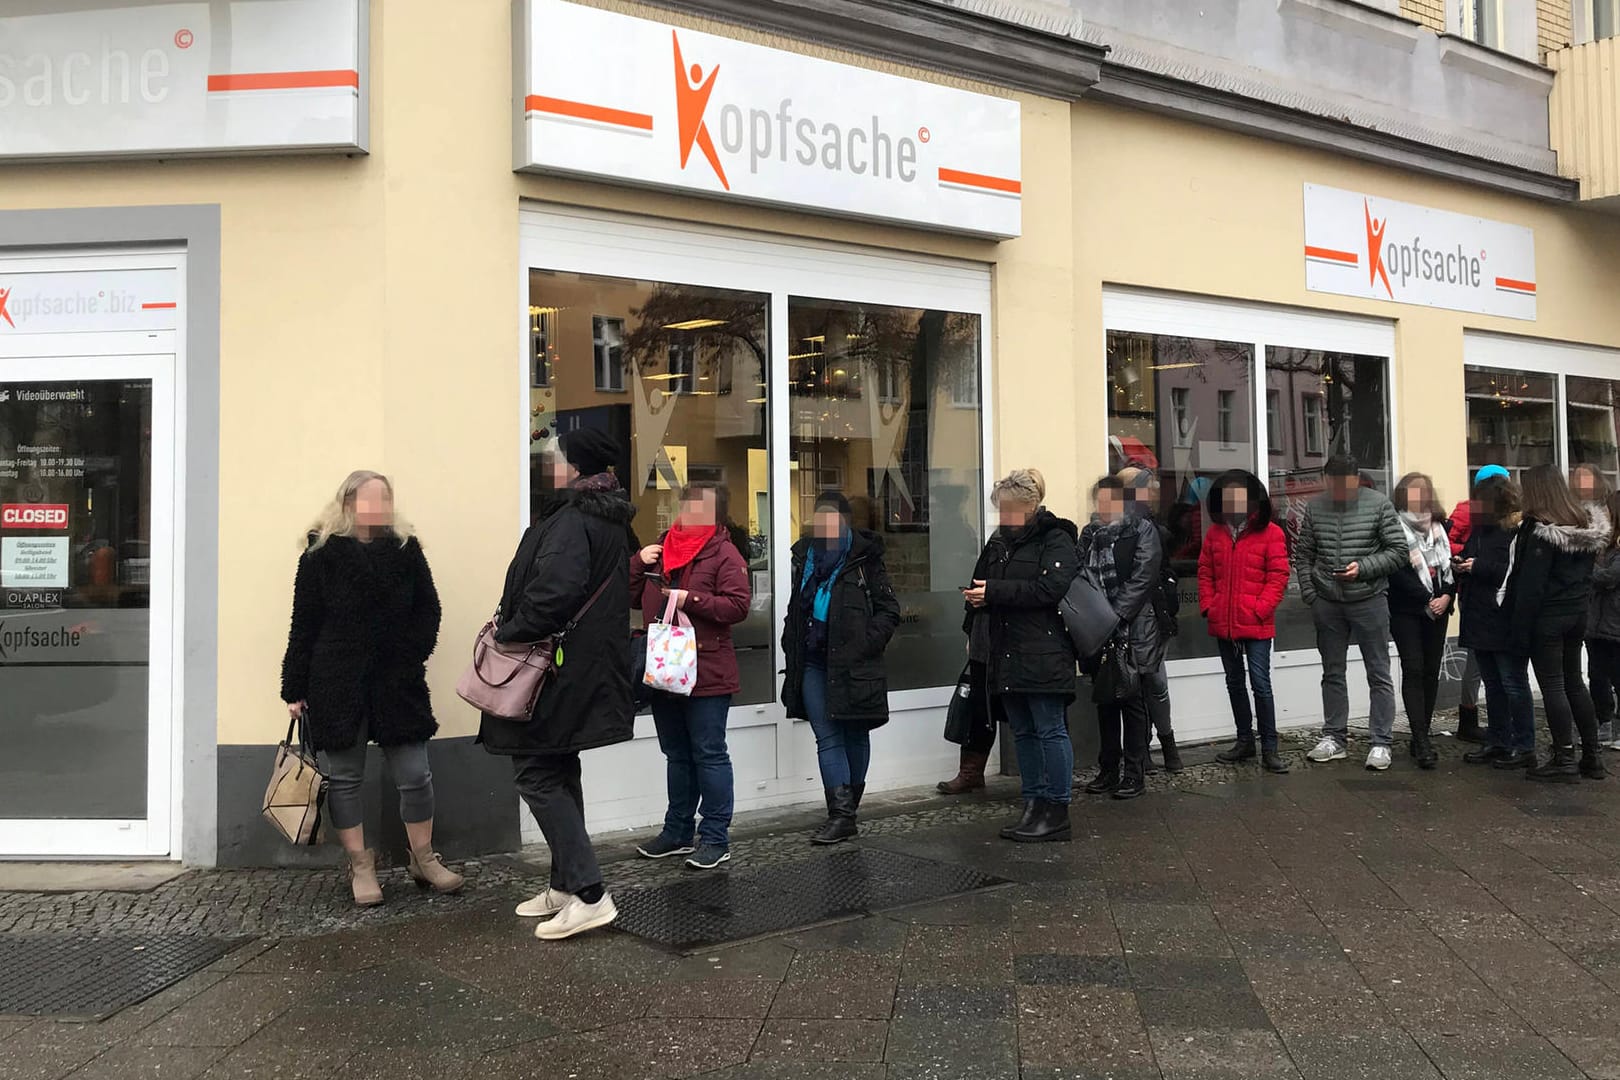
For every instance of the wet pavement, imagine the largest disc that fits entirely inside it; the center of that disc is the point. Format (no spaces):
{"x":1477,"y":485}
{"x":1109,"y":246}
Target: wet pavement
{"x":1328,"y":924}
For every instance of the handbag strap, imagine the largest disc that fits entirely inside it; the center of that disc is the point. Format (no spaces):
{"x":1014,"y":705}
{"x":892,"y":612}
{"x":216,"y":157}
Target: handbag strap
{"x":589,"y":603}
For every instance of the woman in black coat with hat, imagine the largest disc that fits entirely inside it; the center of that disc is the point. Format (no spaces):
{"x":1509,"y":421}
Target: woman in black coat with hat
{"x":580,"y":540}
{"x":840,"y":617}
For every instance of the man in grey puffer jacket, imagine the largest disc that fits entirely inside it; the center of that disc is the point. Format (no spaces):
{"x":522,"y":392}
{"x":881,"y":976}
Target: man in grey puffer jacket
{"x":1349,"y":543}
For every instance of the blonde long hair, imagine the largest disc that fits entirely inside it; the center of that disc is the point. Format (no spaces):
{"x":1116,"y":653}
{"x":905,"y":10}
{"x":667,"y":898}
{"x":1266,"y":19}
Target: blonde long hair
{"x":337,"y":519}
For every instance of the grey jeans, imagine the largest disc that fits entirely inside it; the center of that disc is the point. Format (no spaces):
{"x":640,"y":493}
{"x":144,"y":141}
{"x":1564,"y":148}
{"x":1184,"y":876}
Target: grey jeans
{"x":346,"y":774}
{"x":1366,"y":622}
{"x":549,"y":784}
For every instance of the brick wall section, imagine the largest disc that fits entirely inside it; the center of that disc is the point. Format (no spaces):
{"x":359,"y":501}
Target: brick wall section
{"x":1554,"y":25}
{"x":1431,"y":13}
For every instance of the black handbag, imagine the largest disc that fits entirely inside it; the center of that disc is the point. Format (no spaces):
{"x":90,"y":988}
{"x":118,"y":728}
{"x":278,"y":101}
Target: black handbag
{"x":1087,"y":615}
{"x":1117,"y":679}
{"x":960,"y":714}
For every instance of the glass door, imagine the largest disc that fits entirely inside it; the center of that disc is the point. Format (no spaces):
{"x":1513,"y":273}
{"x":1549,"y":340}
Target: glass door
{"x":86,"y":541}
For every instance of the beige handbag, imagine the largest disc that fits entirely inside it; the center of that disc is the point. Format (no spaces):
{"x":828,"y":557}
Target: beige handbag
{"x":292,"y":802}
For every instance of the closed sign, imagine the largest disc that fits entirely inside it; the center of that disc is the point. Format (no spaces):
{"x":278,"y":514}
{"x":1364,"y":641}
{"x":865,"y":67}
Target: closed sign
{"x":34,"y":516}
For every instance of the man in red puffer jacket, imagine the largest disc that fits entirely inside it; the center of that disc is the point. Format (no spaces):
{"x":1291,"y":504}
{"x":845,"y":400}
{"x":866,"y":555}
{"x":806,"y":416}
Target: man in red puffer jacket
{"x":1242,"y":576}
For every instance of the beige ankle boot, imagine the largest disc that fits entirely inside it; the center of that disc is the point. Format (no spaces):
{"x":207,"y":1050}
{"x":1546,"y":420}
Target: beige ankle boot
{"x":430,"y":871}
{"x":363,"y":878}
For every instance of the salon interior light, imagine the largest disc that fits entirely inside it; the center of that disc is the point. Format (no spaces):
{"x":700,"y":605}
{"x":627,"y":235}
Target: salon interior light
{"x":694,"y":324}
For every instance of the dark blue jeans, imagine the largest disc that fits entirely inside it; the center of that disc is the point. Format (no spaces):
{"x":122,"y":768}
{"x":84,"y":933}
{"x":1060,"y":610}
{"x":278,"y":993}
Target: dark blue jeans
{"x":692,"y":735}
{"x":1040,"y":726}
{"x":843,"y":750}
{"x":1256,"y":655}
{"x":1510,"y":711}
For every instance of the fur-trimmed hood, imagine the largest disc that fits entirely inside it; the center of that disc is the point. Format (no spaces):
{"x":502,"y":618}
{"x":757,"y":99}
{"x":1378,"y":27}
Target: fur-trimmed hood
{"x":1588,"y":539}
{"x":609,"y":505}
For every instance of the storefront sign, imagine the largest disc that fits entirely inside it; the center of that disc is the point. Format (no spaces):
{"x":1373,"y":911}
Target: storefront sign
{"x":712,"y":115}
{"x":82,"y":301}
{"x":34,"y":562}
{"x":148,"y":79}
{"x":1360,"y":245}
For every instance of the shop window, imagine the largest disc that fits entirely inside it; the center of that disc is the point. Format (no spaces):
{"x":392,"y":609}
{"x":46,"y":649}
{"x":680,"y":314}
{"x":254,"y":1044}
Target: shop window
{"x":1344,"y":409}
{"x":1512,"y":419}
{"x":649,"y":373}
{"x":1590,"y":415}
{"x":607,"y":346}
{"x":540,"y":330}
{"x":1274,"y":428}
{"x":868,"y":416}
{"x":1201,"y":380}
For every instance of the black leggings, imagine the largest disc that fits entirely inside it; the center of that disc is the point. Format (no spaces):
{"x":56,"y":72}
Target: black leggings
{"x":1603,"y":668}
{"x":1556,"y":660}
{"x":1421,"y":643}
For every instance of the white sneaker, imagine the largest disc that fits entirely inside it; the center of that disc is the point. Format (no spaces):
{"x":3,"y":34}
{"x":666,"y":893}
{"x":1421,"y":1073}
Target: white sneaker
{"x":1377,"y":758}
{"x":576,"y":917}
{"x":1614,"y":745}
{"x":1329,"y":749}
{"x":545,"y":905}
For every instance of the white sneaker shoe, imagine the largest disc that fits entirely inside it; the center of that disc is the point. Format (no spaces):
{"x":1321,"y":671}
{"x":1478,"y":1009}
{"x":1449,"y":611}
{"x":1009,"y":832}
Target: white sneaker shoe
{"x":1377,"y":758}
{"x":1329,"y":749}
{"x":1613,"y":745}
{"x":545,"y":905}
{"x":576,"y":917}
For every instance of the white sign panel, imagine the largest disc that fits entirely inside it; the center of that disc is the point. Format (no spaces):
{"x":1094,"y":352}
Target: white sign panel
{"x":34,"y":562}
{"x":83,"y":301}
{"x":136,"y":78}
{"x":1361,"y":245}
{"x":711,"y":115}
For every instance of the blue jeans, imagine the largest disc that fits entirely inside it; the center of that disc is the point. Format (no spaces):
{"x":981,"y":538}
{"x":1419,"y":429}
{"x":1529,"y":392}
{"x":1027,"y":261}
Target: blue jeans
{"x":1045,"y":755}
{"x":692,"y":735}
{"x":1510,"y":711}
{"x":1256,"y":655}
{"x":843,"y":750}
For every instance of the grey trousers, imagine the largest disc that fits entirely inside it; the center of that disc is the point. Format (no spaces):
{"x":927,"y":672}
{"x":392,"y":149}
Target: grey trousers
{"x":1365,"y":622}
{"x":1468,"y":697}
{"x":346,"y":774}
{"x":549,"y":785}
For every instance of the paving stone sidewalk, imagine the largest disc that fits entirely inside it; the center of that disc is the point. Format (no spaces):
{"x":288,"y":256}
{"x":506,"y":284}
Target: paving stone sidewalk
{"x":1330,"y":924}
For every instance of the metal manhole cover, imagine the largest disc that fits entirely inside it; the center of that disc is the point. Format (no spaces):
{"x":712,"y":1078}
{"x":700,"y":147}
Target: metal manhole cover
{"x":739,"y":905}
{"x":94,"y":977}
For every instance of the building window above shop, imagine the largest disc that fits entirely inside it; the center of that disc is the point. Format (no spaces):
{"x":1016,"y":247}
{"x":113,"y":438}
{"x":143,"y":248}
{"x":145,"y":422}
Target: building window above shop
{"x":1223,"y":416}
{"x":1274,"y":428}
{"x":607,"y":343}
{"x":1181,"y":413}
{"x":1311,"y":409}
{"x":682,"y":372}
{"x":1596,"y":20}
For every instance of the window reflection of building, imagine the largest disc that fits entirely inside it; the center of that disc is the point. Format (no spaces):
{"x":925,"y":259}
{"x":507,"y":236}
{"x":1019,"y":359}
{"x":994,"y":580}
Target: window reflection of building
{"x":1512,"y":419}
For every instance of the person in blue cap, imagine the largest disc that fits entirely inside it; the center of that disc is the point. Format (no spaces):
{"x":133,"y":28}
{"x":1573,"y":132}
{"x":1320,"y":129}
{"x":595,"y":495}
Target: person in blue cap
{"x":1468,"y":726}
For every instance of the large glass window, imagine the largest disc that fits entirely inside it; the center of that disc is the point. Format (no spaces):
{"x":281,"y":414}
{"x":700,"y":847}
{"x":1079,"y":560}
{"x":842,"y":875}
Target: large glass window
{"x":1332,"y":403}
{"x":1206,"y":389}
{"x":884,"y":408}
{"x":1591,"y":412}
{"x":1512,"y":419}
{"x":677,"y":374}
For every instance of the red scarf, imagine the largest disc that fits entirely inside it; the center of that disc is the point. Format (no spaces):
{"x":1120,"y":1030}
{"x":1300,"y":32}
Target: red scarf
{"x":683,"y":543}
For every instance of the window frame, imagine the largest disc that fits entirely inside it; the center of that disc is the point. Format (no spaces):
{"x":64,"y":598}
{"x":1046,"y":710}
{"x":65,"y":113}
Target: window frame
{"x":1274,"y":421}
{"x":1585,"y":20}
{"x":1225,"y":400}
{"x":599,"y":363}
{"x":1311,"y":421}
{"x":1181,"y":416}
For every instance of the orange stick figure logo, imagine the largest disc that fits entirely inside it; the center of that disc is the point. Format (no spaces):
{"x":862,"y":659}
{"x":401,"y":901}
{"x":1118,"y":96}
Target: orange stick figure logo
{"x":691,"y":101}
{"x":1375,"y":248}
{"x":5,"y":294}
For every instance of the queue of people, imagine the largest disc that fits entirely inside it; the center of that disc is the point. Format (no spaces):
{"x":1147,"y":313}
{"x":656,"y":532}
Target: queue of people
{"x":1530,"y":567}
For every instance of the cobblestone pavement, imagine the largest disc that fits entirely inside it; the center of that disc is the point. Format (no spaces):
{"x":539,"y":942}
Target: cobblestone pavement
{"x":1330,"y":924}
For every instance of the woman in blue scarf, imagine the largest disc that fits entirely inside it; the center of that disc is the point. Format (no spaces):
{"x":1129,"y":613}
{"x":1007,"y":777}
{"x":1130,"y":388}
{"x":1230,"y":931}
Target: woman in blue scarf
{"x":840,"y":617}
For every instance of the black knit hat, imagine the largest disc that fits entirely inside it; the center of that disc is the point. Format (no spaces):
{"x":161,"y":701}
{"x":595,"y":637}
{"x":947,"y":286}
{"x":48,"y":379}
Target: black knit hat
{"x":589,"y":450}
{"x":834,"y":500}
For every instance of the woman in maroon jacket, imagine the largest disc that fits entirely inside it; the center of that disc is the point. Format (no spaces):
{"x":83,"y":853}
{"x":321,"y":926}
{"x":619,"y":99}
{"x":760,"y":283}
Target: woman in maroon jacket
{"x":1242,"y":575}
{"x":697,"y":564}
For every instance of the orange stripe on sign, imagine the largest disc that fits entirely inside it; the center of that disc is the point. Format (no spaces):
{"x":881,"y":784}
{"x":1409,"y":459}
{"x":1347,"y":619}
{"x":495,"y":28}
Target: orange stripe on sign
{"x":283,"y":80}
{"x":1509,"y":283}
{"x":581,"y":111}
{"x":1330,"y":253}
{"x":979,"y":180}
{"x":165,"y":304}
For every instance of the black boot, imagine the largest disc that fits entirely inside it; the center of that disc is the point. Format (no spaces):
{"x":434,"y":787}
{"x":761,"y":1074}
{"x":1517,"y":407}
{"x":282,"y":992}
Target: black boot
{"x":1486,"y":755}
{"x":1105,"y":781}
{"x":840,"y":817}
{"x":1030,"y":807}
{"x":1131,"y":784}
{"x":1242,"y":750}
{"x":1591,"y":765}
{"x":1171,"y":755}
{"x":1272,"y":762}
{"x":1051,"y":822}
{"x":1468,"y":729}
{"x":1423,"y":747}
{"x":1559,"y":768}
{"x":859,"y":790}
{"x":1514,"y":759}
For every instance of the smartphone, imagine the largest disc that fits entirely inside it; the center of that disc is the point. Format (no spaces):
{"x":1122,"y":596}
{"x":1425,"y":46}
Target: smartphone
{"x":655,"y":577}
{"x":1340,"y":571}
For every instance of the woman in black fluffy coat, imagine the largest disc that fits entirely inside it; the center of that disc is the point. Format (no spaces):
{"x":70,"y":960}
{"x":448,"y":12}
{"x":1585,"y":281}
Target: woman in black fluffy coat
{"x":365,"y":620}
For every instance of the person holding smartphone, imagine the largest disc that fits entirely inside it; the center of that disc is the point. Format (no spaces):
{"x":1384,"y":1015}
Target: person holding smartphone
{"x":1350,"y":542}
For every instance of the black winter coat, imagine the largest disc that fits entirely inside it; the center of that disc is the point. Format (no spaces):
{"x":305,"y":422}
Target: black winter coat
{"x":1138,"y":566}
{"x":1603,"y":616}
{"x":1485,"y":626}
{"x":582,"y":539}
{"x":365,"y":620}
{"x":1550,"y":585}
{"x":861,"y":618}
{"x":1025,"y":576}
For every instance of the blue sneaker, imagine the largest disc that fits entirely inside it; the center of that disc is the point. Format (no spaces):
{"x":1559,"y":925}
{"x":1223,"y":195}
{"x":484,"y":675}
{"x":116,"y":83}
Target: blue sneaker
{"x":708,"y":857}
{"x":662,"y":847}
